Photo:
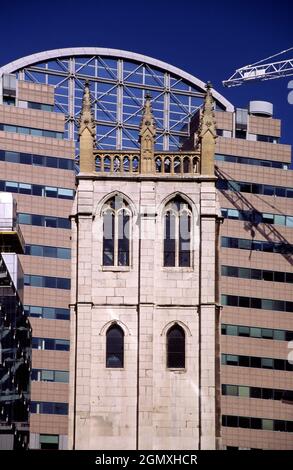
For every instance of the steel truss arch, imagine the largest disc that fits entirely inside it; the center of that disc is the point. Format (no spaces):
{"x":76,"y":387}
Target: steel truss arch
{"x":119,"y":81}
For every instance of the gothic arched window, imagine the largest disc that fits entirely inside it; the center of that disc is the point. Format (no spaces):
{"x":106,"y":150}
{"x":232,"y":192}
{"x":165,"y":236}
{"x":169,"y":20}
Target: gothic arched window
{"x":114,"y":347}
{"x":176,"y":347}
{"x":177,"y":233}
{"x":116,"y":232}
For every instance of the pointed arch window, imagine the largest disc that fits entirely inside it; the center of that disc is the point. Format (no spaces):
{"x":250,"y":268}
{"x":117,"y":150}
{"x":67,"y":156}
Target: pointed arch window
{"x":177,"y":233}
{"x":116,"y":232}
{"x":176,"y":347}
{"x":115,"y":347}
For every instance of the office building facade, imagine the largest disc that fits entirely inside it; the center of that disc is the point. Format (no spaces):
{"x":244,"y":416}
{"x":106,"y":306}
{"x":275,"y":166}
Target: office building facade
{"x":256,"y":238}
{"x":37,"y":167}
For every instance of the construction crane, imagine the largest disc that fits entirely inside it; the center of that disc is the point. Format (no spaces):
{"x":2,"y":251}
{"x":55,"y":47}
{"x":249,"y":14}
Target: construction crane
{"x":262,"y":71}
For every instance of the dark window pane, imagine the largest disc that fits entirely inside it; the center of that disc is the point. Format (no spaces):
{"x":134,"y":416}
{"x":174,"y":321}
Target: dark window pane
{"x":279,"y":276}
{"x":34,"y":375}
{"x":61,"y":408}
{"x":25,"y":158}
{"x":232,"y":421}
{"x":244,"y":422}
{"x":279,"y":364}
{"x":267,"y":394}
{"x":49,"y":344}
{"x":231,"y":271}
{"x":256,"y":188}
{"x":255,"y":392}
{"x":232,"y":300}
{"x":114,"y":347}
{"x":47,"y":408}
{"x":288,"y":335}
{"x":279,"y":425}
{"x":51,"y":162}
{"x":123,"y":239}
{"x":267,"y":363}
{"x":37,"y":160}
{"x":108,"y":239}
{"x":268,"y":190}
{"x":255,"y":423}
{"x":225,"y":242}
{"x":243,"y":301}
{"x":63,"y":253}
{"x":232,"y":330}
{"x":288,"y":366}
{"x":278,"y":394}
{"x":33,"y":407}
{"x":244,"y":361}
{"x":184,"y":239}
{"x":243,"y":331}
{"x":37,"y":190}
{"x":50,"y":282}
{"x":176,"y":347}
{"x":268,"y":275}
{"x":255,"y":362}
{"x":267,"y":333}
{"x":281,"y":192}
{"x":169,"y":240}
{"x":49,"y":251}
{"x":36,"y":220}
{"x":36,"y":250}
{"x":255,"y":303}
{"x":50,"y":222}
{"x":255,"y":274}
{"x":64,"y":223}
{"x":289,"y":426}
{"x":61,"y":345}
{"x":63,"y":283}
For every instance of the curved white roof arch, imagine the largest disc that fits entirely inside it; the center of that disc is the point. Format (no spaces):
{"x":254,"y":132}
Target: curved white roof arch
{"x":18,"y":64}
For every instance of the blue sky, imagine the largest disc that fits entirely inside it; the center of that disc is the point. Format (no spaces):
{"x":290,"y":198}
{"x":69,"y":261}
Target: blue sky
{"x":207,"y":39}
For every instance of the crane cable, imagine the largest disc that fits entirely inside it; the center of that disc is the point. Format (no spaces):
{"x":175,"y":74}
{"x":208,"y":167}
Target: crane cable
{"x":267,"y":58}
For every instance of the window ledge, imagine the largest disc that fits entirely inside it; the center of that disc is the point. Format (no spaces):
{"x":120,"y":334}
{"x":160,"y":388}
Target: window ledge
{"x":179,"y":269}
{"x":116,"y":268}
{"x":177,"y":370}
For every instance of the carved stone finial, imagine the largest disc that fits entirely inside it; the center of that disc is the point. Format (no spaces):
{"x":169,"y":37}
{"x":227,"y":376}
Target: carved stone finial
{"x":207,"y":134}
{"x":87,"y":133}
{"x":208,"y":121}
{"x":86,"y":118}
{"x":147,"y":137}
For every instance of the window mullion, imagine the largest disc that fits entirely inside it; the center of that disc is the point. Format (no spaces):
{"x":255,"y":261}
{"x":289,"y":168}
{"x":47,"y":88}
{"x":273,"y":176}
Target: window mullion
{"x":115,"y":235}
{"x":177,"y":227}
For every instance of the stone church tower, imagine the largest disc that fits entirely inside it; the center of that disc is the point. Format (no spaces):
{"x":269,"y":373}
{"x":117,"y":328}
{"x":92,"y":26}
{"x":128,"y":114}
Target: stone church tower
{"x":144,"y":309}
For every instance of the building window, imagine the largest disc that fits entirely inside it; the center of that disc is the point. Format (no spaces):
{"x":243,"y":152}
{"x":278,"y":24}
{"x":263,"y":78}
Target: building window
{"x":45,"y":407}
{"x":176,"y":347}
{"x":177,"y":233}
{"x":49,"y":441}
{"x":115,"y":347}
{"x":50,"y":313}
{"x":116,"y":232}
